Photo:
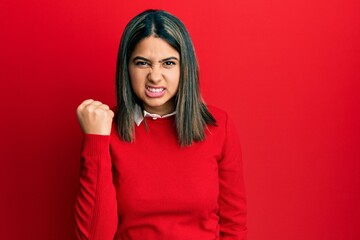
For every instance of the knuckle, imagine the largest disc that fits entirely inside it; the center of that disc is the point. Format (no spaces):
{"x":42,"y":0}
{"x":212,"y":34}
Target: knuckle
{"x":78,"y":109}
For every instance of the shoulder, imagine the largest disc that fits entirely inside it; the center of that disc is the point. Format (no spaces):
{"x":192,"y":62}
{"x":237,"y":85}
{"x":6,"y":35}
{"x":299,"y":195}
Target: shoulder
{"x":220,"y":115}
{"x":223,"y":120}
{"x":225,"y":131}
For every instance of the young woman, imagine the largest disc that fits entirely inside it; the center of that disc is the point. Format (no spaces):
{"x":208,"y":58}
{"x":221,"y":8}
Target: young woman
{"x":167,"y":166}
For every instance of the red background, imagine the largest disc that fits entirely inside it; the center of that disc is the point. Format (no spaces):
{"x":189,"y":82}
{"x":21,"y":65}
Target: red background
{"x":286,"y":71}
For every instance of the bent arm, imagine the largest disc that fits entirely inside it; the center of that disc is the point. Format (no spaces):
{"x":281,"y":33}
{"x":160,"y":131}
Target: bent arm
{"x":96,"y":208}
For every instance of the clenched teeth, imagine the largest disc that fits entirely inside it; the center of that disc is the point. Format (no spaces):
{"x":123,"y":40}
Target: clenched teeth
{"x":155,"y":90}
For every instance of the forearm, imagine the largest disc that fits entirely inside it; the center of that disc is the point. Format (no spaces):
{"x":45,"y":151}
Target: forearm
{"x":96,"y":211}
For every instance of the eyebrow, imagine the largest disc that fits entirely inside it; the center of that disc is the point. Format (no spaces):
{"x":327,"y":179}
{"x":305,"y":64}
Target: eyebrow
{"x":162,"y":60}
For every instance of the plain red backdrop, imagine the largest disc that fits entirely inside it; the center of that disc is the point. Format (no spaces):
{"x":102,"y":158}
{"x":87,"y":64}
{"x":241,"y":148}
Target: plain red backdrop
{"x":287,"y":72}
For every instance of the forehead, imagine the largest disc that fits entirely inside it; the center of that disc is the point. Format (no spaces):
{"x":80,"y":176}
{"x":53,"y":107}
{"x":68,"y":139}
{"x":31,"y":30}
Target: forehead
{"x":154,"y":48}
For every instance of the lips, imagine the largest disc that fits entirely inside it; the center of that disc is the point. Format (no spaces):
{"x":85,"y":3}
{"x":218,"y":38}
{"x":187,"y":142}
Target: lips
{"x":154,"y":92}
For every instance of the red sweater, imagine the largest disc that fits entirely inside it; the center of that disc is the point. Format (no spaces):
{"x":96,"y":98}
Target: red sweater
{"x":153,"y":189}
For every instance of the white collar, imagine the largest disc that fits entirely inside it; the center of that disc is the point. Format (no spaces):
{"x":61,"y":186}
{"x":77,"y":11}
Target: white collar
{"x":139,"y":115}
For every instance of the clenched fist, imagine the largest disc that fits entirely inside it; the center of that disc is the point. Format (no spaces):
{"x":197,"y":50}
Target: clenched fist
{"x":95,"y":117}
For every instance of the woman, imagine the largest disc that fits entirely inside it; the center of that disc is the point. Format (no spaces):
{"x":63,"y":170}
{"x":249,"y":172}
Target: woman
{"x":168,"y":166}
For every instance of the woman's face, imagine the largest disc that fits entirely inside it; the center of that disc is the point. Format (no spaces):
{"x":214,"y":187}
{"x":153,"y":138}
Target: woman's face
{"x":154,"y":69}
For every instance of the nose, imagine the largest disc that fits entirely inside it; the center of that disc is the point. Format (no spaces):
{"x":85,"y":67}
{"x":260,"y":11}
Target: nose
{"x":155,"y":74}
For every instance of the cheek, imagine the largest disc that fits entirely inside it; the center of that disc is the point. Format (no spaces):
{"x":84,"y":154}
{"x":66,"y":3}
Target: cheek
{"x":136,"y":85}
{"x":136,"y":80}
{"x":174,"y":78}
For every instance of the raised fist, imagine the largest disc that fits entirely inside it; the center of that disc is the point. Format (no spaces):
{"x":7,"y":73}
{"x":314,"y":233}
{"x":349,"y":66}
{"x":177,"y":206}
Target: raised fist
{"x":95,"y":117}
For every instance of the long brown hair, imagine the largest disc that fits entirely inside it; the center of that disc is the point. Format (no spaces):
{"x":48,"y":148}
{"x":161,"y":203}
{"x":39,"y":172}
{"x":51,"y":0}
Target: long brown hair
{"x":192,"y":115}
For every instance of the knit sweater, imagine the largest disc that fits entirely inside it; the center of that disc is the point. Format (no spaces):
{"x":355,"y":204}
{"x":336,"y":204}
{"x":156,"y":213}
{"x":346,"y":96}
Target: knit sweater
{"x":154,"y":189}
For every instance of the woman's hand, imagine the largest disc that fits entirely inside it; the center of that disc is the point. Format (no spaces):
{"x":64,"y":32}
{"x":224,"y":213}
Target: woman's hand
{"x":95,"y":117}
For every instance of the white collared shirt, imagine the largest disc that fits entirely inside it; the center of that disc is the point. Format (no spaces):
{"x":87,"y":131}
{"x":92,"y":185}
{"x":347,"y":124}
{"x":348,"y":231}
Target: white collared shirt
{"x":139,"y":115}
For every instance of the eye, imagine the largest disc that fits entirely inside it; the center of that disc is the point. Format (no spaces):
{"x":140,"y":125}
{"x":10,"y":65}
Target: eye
{"x":141,"y":63}
{"x":169,"y":63}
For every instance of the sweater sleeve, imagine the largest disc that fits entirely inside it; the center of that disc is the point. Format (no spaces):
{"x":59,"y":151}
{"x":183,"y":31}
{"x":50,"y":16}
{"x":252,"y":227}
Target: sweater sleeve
{"x":232,"y":202}
{"x":95,"y":209}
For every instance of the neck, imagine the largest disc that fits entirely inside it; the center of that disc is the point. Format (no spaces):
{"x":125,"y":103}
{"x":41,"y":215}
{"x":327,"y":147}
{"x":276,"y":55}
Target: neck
{"x":164,"y":109}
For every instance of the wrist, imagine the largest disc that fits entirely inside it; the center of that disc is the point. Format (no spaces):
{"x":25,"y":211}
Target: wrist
{"x":95,"y":144}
